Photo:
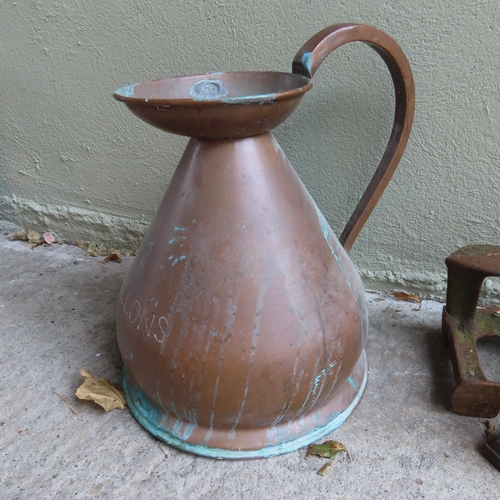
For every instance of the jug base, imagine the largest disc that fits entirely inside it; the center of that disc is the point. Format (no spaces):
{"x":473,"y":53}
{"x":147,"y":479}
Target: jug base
{"x":248,"y":443}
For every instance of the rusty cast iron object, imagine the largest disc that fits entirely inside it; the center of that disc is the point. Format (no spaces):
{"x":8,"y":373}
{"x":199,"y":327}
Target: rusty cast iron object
{"x":491,"y":451}
{"x":242,"y":321}
{"x":464,"y":324}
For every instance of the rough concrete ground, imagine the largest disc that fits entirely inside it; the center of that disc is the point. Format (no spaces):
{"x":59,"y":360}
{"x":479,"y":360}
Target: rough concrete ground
{"x":57,"y":315}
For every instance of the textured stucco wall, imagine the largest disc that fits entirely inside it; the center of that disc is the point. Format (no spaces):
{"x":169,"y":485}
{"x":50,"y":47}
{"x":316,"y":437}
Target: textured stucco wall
{"x":74,"y":161}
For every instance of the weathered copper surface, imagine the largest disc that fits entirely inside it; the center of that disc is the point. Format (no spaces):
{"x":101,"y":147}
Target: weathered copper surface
{"x":242,"y":321}
{"x":464,"y":324}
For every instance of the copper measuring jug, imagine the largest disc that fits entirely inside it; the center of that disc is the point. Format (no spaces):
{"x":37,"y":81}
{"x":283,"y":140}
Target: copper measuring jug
{"x":242,"y":321}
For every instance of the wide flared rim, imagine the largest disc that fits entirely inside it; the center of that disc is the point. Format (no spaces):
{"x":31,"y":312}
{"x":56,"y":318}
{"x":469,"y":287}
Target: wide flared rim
{"x":300,"y":85}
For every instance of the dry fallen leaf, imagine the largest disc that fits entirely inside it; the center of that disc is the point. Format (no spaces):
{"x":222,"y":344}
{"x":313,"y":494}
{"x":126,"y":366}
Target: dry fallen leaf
{"x":100,"y":391}
{"x":30,"y":236}
{"x":114,"y":257}
{"x":80,"y":244}
{"x":49,"y":238}
{"x":325,"y":468}
{"x":328,"y":449}
{"x":21,"y":235}
{"x":35,"y":238}
{"x":407,"y":297}
{"x":93,"y":249}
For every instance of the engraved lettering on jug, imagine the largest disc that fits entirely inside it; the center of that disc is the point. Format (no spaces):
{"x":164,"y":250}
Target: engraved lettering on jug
{"x":148,"y":327}
{"x":121,"y":296}
{"x":150,"y":245}
{"x":163,"y":329}
{"x":136,"y":313}
{"x":137,"y":306}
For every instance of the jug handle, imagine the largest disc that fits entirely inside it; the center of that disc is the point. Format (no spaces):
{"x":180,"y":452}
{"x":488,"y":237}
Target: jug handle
{"x":307,"y":61}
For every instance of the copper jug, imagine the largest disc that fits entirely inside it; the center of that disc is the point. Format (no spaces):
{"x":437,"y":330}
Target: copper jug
{"x":242,"y":321}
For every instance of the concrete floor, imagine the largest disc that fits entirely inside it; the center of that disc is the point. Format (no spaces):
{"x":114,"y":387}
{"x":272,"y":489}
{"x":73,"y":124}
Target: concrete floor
{"x":57,"y":311}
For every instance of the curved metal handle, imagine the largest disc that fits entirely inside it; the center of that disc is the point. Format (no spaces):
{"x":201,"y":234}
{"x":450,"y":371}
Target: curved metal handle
{"x":307,"y":61}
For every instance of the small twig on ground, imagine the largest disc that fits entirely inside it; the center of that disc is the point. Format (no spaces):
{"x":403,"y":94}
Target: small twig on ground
{"x":67,"y":404}
{"x":162,"y":450}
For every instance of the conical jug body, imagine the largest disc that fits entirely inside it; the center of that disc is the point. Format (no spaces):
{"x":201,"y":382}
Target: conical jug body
{"x":242,"y":321}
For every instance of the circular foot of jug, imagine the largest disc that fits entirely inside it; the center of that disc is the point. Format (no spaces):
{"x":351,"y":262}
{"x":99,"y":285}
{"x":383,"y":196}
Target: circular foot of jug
{"x":248,"y":443}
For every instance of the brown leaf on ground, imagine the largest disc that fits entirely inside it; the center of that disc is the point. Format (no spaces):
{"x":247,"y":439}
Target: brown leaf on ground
{"x":35,"y":238}
{"x":21,"y":235}
{"x":32,"y":237}
{"x":49,"y":238}
{"x":96,"y":250}
{"x":407,"y":297}
{"x":80,"y":244}
{"x":113,"y":257}
{"x":100,"y":391}
{"x":328,"y":449}
{"x":489,"y":431}
{"x":325,"y":468}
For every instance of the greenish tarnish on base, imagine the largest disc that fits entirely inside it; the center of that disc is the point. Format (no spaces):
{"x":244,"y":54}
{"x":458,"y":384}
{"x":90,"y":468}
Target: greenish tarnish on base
{"x":148,"y":416}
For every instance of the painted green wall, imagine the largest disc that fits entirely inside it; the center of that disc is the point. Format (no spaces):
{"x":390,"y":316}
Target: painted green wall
{"x":76,"y":162}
